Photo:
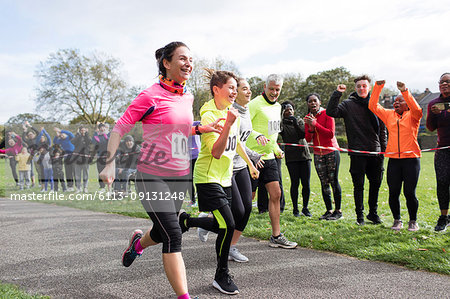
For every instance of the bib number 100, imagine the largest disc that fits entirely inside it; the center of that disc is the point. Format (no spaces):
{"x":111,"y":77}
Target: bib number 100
{"x":232,"y":142}
{"x":180,"y":147}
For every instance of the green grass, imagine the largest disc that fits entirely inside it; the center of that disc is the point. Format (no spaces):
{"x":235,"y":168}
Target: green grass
{"x":424,"y":250}
{"x":13,"y":291}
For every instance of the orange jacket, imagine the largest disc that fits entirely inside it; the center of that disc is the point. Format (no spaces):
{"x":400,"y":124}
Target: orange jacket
{"x":402,"y":129}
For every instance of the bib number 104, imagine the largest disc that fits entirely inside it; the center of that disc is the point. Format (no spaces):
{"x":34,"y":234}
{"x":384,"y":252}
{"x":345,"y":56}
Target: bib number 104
{"x":180,"y":147}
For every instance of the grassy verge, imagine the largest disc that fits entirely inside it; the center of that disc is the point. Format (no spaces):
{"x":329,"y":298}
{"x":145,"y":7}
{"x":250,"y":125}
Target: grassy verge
{"x":12,"y":291}
{"x":425,"y":249}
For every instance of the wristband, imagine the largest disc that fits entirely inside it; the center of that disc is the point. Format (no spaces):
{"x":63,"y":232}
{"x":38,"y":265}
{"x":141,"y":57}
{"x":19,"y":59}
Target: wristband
{"x":197,"y":131}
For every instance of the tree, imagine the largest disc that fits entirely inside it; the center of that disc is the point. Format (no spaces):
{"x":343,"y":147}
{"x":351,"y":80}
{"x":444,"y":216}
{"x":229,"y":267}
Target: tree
{"x":292,"y":83}
{"x":21,"y":118}
{"x":325,"y":82}
{"x":256,"y":85}
{"x":73,"y":85}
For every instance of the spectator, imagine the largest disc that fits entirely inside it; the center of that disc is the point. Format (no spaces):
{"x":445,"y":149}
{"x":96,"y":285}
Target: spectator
{"x":81,"y":158}
{"x":365,"y":132}
{"x":438,"y":118}
{"x":46,"y":167}
{"x":320,"y":130}
{"x":57,"y":166}
{"x":126,"y":162}
{"x":298,"y":158}
{"x":403,"y":150}
{"x":24,"y":166}
{"x":100,"y":142}
{"x":63,"y":138}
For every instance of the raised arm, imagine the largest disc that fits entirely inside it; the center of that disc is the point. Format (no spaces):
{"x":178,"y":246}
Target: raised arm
{"x":334,"y":109}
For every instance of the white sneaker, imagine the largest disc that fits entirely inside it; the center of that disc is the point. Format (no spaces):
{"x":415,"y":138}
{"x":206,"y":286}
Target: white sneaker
{"x":202,"y":233}
{"x":70,"y":189}
{"x":236,"y":256}
{"x":86,"y":190}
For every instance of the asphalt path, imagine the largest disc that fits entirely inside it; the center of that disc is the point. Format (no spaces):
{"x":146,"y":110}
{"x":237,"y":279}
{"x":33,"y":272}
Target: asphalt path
{"x":69,"y":253}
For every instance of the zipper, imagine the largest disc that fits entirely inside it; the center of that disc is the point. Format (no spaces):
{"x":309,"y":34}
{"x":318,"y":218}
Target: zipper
{"x":398,"y":136}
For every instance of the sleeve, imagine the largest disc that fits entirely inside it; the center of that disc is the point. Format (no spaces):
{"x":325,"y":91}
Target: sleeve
{"x":300,"y":125}
{"x":209,"y":138}
{"x":68,"y":133}
{"x":374,"y":106}
{"x":254,"y":156}
{"x":415,"y":109}
{"x":140,"y":107}
{"x":334,"y":109}
{"x":431,"y":118}
{"x":253,"y":114}
{"x":308,"y":135}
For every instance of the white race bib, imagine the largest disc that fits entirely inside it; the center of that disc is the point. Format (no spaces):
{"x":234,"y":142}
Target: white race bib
{"x":274,"y":127}
{"x":180,"y":146}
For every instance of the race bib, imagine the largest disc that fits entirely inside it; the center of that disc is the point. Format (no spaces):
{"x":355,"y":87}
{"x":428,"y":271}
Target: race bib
{"x":274,"y":127}
{"x":180,"y":146}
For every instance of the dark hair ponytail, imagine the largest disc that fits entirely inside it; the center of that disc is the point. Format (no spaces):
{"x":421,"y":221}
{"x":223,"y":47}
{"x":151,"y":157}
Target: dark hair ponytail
{"x":166,"y":53}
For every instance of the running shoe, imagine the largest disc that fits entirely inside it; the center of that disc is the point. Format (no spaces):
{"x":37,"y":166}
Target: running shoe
{"x":335,"y":216}
{"x":282,"y":242}
{"x":413,"y":226}
{"x":202,"y":233}
{"x":325,"y":216}
{"x":305,"y":212}
{"x":130,"y":253}
{"x":442,"y":223}
{"x":182,"y":217}
{"x":398,"y":224}
{"x":225,"y":284}
{"x":296,"y":214}
{"x":236,"y":256}
{"x":374,"y":218}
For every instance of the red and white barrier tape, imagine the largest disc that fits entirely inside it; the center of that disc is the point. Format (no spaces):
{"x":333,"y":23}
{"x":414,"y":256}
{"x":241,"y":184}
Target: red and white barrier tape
{"x":362,"y":152}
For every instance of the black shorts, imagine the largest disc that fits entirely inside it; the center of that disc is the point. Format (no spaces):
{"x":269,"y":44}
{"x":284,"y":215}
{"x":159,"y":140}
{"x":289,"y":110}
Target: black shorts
{"x":212,"y":196}
{"x":269,"y":173}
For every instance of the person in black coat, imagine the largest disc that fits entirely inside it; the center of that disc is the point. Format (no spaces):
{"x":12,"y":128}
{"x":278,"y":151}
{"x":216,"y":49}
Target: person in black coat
{"x":366,"y":132}
{"x":298,"y":158}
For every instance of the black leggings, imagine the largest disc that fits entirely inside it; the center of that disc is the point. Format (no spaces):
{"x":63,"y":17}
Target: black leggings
{"x":222,"y":223}
{"x":404,"y":171}
{"x":299,"y":170}
{"x":152,"y":191}
{"x":327,"y":168}
{"x":241,"y":203}
{"x":442,"y":169}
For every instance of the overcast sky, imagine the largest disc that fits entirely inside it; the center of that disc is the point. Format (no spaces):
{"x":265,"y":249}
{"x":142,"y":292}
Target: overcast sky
{"x":391,"y":40}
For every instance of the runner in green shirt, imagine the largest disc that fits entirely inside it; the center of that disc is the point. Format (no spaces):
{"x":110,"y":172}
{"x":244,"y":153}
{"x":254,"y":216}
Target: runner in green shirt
{"x":265,"y":113}
{"x":213,"y":171}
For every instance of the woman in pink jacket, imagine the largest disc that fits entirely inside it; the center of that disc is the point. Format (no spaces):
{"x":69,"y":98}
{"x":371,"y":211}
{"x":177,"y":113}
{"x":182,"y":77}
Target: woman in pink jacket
{"x":165,"y":110}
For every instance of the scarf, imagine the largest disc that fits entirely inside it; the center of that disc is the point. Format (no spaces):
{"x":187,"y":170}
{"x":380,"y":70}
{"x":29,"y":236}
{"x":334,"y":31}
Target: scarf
{"x":172,"y":86}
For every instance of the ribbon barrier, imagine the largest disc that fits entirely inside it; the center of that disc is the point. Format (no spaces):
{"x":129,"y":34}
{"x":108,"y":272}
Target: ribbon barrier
{"x":362,"y":152}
